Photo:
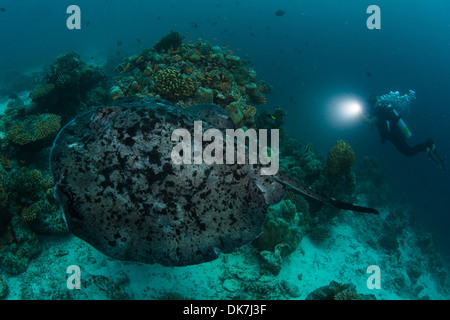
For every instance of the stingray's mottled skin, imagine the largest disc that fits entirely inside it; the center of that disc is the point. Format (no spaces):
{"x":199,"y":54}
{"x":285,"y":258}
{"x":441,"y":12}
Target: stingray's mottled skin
{"x":120,"y":191}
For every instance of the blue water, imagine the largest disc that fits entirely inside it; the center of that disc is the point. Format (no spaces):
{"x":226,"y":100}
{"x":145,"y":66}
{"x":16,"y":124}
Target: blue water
{"x":316,"y":51}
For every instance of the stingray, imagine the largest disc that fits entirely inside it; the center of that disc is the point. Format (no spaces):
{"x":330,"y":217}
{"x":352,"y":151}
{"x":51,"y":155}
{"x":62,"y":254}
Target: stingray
{"x":120,"y":191}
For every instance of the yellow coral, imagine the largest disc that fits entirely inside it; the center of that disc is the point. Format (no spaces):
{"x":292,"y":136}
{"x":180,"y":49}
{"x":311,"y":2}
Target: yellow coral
{"x":171,"y":85}
{"x":249,"y":112}
{"x":340,"y":158}
{"x":34,"y":128}
{"x":30,"y":213}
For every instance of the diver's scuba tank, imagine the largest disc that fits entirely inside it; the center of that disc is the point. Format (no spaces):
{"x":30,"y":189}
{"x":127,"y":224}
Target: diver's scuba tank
{"x":406,"y":133}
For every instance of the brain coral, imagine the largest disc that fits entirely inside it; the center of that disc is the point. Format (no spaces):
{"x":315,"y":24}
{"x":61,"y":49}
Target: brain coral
{"x":340,"y":158}
{"x":171,"y":85}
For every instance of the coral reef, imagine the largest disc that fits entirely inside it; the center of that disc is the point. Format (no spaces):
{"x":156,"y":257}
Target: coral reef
{"x":65,"y":89}
{"x":340,"y":158}
{"x":29,"y":209}
{"x":193,"y":73}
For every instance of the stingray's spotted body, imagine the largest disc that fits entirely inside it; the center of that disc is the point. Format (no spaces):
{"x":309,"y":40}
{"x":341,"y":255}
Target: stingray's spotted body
{"x":120,"y":191}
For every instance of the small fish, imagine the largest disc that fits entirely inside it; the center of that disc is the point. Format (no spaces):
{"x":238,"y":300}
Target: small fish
{"x":139,"y":59}
{"x":119,"y":43}
{"x":164,"y":56}
{"x":148,"y":63}
{"x":187,"y":32}
{"x":280,"y":13}
{"x":138,"y":40}
{"x":308,"y":148}
{"x":190,"y":41}
{"x":5,"y":161}
{"x":126,"y":68}
{"x":22,"y":161}
{"x":2,"y":9}
{"x":271,"y":116}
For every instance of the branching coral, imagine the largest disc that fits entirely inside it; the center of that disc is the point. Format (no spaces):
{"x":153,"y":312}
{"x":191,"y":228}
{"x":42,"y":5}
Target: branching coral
{"x":340,"y":158}
{"x":171,"y":85}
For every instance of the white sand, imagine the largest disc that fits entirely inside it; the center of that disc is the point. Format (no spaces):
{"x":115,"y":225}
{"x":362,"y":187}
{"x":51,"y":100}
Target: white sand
{"x":343,"y":258}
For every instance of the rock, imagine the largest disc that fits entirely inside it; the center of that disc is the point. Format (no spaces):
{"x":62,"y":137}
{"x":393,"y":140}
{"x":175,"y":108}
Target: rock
{"x":231,"y":285}
{"x":272,"y":261}
{"x":204,"y":95}
{"x":290,"y":289}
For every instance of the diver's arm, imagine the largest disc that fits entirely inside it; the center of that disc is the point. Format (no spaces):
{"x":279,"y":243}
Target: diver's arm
{"x":371,"y":120}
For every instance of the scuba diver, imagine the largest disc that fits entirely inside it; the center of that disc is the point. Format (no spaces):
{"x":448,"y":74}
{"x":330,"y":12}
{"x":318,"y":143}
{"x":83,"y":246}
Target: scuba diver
{"x":391,"y":126}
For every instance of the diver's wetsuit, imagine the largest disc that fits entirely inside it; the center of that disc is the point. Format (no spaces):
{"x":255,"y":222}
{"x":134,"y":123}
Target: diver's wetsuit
{"x":387,"y":127}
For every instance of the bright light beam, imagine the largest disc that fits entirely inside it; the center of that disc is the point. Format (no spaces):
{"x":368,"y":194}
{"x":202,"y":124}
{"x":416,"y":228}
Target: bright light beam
{"x":344,"y":110}
{"x":351,"y":109}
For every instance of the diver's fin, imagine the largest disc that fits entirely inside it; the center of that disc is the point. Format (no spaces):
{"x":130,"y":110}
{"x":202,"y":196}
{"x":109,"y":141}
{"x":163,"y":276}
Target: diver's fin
{"x":434,"y":156}
{"x":297,"y":186}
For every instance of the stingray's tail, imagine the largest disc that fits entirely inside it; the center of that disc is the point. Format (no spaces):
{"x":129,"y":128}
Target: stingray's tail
{"x":299,"y":187}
